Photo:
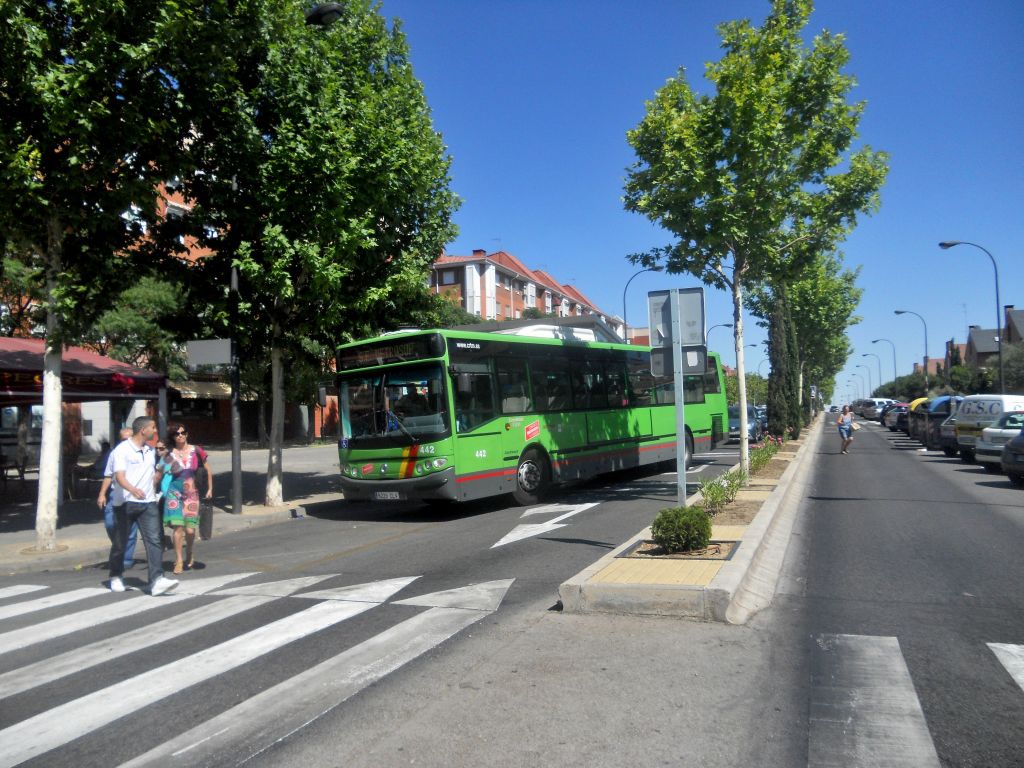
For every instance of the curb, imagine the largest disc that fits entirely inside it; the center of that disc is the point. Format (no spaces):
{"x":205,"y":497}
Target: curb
{"x":743,"y":586}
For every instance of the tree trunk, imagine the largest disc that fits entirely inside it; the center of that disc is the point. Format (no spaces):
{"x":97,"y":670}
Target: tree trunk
{"x":49,"y":451}
{"x":275,"y":495}
{"x":741,"y":377}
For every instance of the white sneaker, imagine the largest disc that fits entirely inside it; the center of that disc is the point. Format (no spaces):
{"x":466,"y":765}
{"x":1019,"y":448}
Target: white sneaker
{"x":116,"y":585}
{"x":163,"y":584}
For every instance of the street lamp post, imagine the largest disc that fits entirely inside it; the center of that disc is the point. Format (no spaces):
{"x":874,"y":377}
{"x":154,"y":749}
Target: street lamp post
{"x":625,"y":325}
{"x":894,"y":374}
{"x":759,"y":366}
{"x":717,"y":325}
{"x":911,"y":312}
{"x":871,"y":386}
{"x":877,"y":360}
{"x":947,"y":244}
{"x":860,"y":384}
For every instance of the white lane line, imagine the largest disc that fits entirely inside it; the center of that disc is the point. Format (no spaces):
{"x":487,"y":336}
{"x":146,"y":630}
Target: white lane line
{"x":246,"y":730}
{"x":47,"y":670}
{"x":74,"y":719}
{"x":1012,"y":658}
{"x":131,"y":606}
{"x":50,"y":601}
{"x":19,"y":589}
{"x":276,"y":588}
{"x":864,"y":711}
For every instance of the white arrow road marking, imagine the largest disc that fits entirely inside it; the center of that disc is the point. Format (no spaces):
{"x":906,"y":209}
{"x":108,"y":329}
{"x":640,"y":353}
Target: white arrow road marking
{"x":476,"y":597}
{"x":276,"y":588}
{"x":42,"y":603}
{"x":132,"y":606}
{"x":536,"y":529}
{"x":1011,"y":657}
{"x":256,"y":724}
{"x":74,"y":719}
{"x":864,"y":711}
{"x":19,"y":589}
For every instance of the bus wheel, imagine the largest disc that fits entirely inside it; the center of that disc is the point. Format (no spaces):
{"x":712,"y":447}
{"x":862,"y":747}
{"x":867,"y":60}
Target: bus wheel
{"x":532,"y":477}
{"x":688,"y":458}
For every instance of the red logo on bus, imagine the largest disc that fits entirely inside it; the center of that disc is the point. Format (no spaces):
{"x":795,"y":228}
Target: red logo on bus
{"x":367,"y":469}
{"x":532,"y":430}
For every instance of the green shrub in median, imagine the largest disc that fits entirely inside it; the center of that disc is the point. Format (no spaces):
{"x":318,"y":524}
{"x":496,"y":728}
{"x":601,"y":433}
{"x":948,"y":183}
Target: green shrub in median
{"x":719,"y":491}
{"x":761,"y":456}
{"x":681,"y":529}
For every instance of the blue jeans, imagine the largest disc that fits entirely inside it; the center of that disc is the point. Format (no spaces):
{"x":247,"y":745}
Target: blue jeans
{"x":133,"y":532}
{"x":147,"y":516}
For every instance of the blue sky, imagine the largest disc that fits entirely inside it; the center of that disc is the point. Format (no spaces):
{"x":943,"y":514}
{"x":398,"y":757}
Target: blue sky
{"x":534,"y":100}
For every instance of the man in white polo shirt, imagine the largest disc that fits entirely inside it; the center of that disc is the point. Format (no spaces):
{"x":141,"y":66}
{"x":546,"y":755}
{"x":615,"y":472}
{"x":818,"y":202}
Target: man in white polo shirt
{"x":135,"y":500}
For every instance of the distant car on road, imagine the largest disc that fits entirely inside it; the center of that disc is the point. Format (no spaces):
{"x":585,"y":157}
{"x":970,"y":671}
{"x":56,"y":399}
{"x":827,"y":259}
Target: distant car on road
{"x":896,"y":417}
{"x":753,"y":424}
{"x":988,"y":451}
{"x":834,"y":409}
{"x":874,"y":407}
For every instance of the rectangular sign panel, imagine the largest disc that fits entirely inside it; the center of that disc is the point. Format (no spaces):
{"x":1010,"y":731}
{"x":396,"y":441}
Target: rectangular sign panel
{"x":691,"y":316}
{"x":208,"y":352}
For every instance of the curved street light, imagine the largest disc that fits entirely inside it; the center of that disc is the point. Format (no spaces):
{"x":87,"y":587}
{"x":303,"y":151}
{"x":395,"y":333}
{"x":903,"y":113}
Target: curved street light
{"x":871,"y":387}
{"x":717,"y":325}
{"x":759,"y":367}
{"x":946,"y":245}
{"x":859,"y":382}
{"x":911,"y":312}
{"x":877,"y":360}
{"x":625,"y":325}
{"x":894,"y":374}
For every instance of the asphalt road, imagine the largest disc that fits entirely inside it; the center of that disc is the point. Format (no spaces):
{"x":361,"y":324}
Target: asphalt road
{"x":891,"y":640}
{"x":123,"y":686}
{"x":909,"y":562}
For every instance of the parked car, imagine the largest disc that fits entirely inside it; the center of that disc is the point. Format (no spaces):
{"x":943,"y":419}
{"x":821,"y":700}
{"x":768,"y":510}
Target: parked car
{"x":762,"y":416}
{"x":896,"y":417}
{"x":885,"y":409}
{"x":988,"y":450}
{"x":1013,"y":459}
{"x":977,"y":412}
{"x":754,"y":430}
{"x":874,"y":407}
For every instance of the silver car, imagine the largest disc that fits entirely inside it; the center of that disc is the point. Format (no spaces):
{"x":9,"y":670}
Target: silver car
{"x":988,"y":451}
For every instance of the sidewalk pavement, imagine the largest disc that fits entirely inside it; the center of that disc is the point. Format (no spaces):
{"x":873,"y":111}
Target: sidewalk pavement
{"x":730,"y":590}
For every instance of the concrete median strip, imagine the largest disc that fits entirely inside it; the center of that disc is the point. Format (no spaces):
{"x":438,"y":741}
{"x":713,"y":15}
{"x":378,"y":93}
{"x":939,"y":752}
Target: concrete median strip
{"x":711,"y":590}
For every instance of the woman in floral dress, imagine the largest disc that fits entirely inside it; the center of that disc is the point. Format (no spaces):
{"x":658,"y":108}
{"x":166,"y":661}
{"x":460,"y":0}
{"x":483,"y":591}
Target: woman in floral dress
{"x":181,"y":498}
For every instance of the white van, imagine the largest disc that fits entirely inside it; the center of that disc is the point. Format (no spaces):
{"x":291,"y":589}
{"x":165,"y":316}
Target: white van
{"x":977,"y":412}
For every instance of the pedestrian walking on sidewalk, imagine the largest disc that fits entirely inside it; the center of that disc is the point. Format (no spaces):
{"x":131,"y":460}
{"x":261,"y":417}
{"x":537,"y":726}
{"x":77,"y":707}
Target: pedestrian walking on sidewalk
{"x":186,"y":464}
{"x":105,"y":501}
{"x":135,"y":500}
{"x":845,"y":424}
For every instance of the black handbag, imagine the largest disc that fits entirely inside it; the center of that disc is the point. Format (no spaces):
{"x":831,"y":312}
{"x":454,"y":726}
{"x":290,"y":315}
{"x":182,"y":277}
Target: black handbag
{"x":205,"y":520}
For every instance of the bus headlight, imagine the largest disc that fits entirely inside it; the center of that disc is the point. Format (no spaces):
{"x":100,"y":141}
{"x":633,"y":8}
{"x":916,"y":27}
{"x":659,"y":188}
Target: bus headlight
{"x":439,"y":463}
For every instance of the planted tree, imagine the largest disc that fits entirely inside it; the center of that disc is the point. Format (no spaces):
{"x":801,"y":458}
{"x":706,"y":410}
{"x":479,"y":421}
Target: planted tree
{"x":321,"y":177}
{"x":89,"y":124}
{"x":742,"y":177}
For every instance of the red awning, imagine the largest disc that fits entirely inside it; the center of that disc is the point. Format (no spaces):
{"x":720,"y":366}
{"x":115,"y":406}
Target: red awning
{"x":85,"y":375}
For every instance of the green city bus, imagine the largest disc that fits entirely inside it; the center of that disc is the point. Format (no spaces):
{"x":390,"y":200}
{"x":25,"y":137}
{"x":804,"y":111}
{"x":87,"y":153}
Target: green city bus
{"x":456,"y":415}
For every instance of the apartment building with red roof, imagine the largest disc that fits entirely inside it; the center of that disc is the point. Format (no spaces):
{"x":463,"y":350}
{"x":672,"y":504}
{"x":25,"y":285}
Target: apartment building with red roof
{"x":498,"y":286}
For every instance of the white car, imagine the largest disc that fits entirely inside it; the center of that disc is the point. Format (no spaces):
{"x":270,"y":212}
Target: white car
{"x":873,"y":406}
{"x":988,"y":451}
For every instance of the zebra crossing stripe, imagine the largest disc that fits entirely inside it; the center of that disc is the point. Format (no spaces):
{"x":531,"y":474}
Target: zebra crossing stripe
{"x":276,"y":588}
{"x":50,"y":601}
{"x":74,"y":719}
{"x":1012,"y":658}
{"x":47,"y":670}
{"x":864,"y":711}
{"x":19,"y":589}
{"x":132,"y":606}
{"x":258,"y":723}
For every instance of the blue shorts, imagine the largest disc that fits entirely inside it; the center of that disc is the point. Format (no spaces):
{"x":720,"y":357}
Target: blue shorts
{"x":845,"y":431}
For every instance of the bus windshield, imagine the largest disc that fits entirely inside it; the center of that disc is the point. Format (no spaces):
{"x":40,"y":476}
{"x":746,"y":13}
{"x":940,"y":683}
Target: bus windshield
{"x":395,"y":406}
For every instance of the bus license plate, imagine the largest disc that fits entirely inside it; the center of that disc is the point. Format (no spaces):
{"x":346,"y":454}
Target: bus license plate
{"x":387,"y":495}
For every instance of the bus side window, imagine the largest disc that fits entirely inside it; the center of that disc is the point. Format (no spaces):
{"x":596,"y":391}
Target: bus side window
{"x":474,"y":395}
{"x":514,"y":386}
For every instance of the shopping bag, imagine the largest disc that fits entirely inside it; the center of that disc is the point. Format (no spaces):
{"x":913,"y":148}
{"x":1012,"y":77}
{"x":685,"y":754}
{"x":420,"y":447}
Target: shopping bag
{"x":855,"y":426}
{"x":206,"y":520}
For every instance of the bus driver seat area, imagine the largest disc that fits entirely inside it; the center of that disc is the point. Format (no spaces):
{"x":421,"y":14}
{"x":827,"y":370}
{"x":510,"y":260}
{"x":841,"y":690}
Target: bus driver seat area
{"x":514,"y":399}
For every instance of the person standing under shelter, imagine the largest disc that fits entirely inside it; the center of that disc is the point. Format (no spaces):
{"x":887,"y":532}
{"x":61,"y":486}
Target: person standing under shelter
{"x":105,"y":501}
{"x":135,"y":500}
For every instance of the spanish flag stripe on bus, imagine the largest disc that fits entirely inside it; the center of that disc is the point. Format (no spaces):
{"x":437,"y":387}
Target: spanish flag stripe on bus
{"x":409,"y":463}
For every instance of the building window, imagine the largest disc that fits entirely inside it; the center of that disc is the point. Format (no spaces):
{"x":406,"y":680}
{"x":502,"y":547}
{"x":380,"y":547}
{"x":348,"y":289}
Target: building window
{"x":448,"y":277}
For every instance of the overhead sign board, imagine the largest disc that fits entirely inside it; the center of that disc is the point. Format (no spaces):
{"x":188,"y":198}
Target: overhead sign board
{"x":208,"y":352}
